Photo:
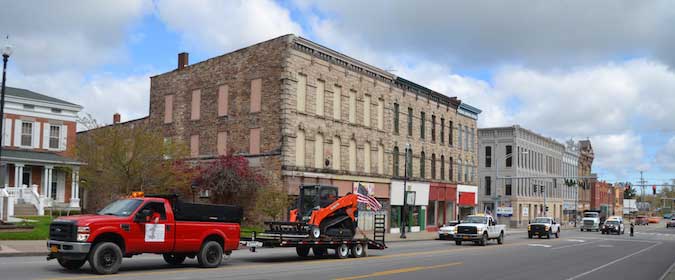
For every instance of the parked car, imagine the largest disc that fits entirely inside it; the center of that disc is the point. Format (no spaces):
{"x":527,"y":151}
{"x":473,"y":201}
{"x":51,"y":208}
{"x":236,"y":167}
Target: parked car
{"x":159,"y":224}
{"x":654,"y":220}
{"x":641,"y":221}
{"x":671,"y":223}
{"x":668,"y":216}
{"x":447,"y":231}
{"x":613,"y":226}
{"x":543,"y":226}
{"x":479,"y":229}
{"x":591,"y":221}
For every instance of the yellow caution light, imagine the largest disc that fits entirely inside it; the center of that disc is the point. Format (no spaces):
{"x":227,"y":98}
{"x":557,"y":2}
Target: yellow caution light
{"x":137,"y":194}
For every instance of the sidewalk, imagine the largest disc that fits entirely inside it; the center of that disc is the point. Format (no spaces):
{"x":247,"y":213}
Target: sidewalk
{"x":17,"y":248}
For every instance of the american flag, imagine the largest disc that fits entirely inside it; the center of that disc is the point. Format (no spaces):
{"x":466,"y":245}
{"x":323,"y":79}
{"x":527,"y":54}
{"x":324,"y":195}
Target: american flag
{"x":364,"y":197}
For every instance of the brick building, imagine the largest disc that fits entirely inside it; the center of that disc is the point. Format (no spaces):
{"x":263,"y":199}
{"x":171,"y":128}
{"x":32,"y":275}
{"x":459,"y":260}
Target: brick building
{"x":309,"y":115}
{"x":586,"y":157}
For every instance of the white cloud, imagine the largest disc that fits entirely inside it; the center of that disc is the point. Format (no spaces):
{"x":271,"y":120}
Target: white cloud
{"x":49,"y":35}
{"x":665,"y":157}
{"x":621,"y":154}
{"x":225,"y":25}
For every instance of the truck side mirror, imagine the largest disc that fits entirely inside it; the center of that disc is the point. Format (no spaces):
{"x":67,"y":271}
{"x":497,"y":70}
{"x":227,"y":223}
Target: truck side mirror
{"x":142,"y":215}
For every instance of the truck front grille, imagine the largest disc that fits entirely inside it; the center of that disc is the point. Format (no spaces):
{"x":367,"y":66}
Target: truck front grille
{"x":538,"y":227}
{"x":63,"y":231}
{"x":466,"y":230}
{"x":589,"y":223}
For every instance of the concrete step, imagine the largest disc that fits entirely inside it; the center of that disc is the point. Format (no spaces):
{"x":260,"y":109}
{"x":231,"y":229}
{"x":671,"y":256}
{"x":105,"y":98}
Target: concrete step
{"x":24,"y":209}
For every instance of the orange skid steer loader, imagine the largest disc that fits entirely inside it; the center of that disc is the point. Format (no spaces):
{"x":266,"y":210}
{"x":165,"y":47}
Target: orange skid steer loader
{"x":319,"y":213}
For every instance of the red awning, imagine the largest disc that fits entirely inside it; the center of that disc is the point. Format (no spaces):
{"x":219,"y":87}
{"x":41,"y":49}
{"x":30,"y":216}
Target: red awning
{"x":467,"y":199}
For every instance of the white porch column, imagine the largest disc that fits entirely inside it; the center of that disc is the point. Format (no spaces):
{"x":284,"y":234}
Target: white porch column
{"x":44,"y":190}
{"x":18,"y":175}
{"x":74,"y":200}
{"x":48,"y":183}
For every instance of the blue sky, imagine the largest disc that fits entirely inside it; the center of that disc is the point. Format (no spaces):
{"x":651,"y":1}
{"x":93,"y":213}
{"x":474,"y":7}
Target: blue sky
{"x":601,"y":70}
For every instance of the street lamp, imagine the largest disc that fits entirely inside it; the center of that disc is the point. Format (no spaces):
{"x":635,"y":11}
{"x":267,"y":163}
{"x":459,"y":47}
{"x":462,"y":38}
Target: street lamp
{"x":6,"y":52}
{"x":404,"y":211}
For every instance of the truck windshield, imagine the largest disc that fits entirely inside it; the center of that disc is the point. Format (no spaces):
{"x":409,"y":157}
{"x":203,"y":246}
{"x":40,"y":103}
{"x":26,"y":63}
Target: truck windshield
{"x":121,"y":208}
{"x":591,"y":215}
{"x":475,"y":220}
{"x":542,"y":220}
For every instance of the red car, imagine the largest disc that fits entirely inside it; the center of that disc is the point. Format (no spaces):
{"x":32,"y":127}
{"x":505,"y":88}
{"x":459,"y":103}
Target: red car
{"x":641,"y":221}
{"x":160,"y":225}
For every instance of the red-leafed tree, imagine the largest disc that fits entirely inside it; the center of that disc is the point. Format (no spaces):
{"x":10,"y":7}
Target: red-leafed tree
{"x":230,"y":180}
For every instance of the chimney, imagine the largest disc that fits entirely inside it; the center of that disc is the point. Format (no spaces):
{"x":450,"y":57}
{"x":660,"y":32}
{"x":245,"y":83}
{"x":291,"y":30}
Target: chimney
{"x":116,"y":118}
{"x":182,"y":60}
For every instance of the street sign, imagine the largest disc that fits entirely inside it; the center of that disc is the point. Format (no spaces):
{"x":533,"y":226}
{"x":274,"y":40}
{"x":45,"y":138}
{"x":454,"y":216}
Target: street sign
{"x":504,"y":211}
{"x":410,"y":197}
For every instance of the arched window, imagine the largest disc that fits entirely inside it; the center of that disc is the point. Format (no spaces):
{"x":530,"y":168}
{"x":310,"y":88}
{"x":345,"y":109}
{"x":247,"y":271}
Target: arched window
{"x":422,"y":165}
{"x":395,"y":161}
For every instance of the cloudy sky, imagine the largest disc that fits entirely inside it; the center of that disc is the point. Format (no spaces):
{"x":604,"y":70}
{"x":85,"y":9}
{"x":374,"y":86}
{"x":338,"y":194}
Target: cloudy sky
{"x":602,"y":70}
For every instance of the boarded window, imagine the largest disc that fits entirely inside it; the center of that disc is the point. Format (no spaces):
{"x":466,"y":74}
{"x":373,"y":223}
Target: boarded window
{"x":256,"y":91}
{"x":380,"y":114}
{"x":223,"y":95}
{"x":337,"y":103}
{"x":320,"y":93}
{"x":366,"y":111}
{"x":222,"y":143}
{"x":254,"y":141}
{"x":366,"y":157}
{"x":196,"y":104}
{"x":300,"y":148}
{"x":352,"y":155}
{"x":380,"y":159}
{"x":352,"y":106}
{"x":168,"y":109}
{"x":194,"y":145}
{"x":336,"y":153}
{"x":318,"y":151}
{"x":301,"y":93}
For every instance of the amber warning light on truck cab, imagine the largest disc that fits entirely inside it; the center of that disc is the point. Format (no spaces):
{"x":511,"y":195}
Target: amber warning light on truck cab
{"x":137,"y":194}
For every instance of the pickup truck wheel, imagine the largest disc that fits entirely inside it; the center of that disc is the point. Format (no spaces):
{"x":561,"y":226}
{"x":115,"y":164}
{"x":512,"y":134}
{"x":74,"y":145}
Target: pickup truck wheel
{"x":302,"y":251}
{"x":71,"y":264}
{"x":358,"y":250}
{"x":500,"y":239}
{"x":211,"y":254}
{"x":529,"y":235}
{"x":105,"y":258}
{"x":342,"y":251}
{"x":548,"y":234}
{"x":458,"y":242}
{"x":557,"y":234}
{"x":174,"y":259}
{"x":484,"y":239}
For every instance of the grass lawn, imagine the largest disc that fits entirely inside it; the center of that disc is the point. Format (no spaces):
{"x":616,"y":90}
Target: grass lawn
{"x":39,"y":232}
{"x":246,"y":231}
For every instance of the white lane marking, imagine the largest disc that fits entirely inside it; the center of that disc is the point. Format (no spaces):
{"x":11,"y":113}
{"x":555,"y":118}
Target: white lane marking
{"x":576,"y":240}
{"x":613,"y":262}
{"x":671,"y":267}
{"x":539,"y":245}
{"x":605,"y":246}
{"x":574,"y":245}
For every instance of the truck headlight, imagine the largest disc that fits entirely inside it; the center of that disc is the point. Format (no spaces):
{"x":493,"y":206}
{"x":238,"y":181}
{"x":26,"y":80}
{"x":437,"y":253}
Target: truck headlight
{"x":529,"y":227}
{"x":82,"y":233}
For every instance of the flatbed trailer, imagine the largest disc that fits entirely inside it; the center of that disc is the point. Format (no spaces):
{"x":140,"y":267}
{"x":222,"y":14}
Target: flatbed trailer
{"x":303,"y":244}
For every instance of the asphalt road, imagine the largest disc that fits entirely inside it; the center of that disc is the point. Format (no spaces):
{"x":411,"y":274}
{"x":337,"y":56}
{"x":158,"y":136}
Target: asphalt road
{"x":576,"y":255}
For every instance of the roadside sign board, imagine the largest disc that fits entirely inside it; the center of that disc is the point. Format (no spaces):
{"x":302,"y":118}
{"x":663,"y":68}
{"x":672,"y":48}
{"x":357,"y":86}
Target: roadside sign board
{"x":505,"y":211}
{"x":526,"y":211}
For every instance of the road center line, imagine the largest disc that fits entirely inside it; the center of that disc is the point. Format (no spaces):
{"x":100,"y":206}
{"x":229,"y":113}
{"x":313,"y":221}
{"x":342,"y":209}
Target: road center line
{"x":613,"y":262}
{"x":399,"y":271}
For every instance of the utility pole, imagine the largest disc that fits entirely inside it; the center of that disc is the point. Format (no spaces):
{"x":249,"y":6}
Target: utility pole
{"x":642,"y":184}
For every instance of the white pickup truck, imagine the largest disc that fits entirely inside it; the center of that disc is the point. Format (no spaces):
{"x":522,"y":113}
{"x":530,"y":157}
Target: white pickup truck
{"x":479,"y":229}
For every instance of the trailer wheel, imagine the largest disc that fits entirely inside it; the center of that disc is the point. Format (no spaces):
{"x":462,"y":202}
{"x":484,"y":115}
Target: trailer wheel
{"x":174,"y":259}
{"x":302,"y":251}
{"x":342,"y":251}
{"x":319,"y":251}
{"x":105,"y":258}
{"x":458,"y":242}
{"x":316,"y":232}
{"x":358,"y":250}
{"x":211,"y":254}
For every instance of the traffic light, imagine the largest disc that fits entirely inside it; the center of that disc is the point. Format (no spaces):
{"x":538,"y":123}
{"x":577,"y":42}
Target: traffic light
{"x":546,"y":208}
{"x":654,"y":189}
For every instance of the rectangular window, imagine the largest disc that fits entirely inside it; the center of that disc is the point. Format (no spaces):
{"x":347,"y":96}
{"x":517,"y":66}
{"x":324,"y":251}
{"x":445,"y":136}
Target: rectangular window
{"x":366,"y":157}
{"x":301,"y":92}
{"x":466,"y":138}
{"x":451,"y":131}
{"x":410,"y":121}
{"x":300,"y":148}
{"x":221,"y":143}
{"x":488,"y":156}
{"x":395,"y":161}
{"x":54,"y":136}
{"x":433,"y":128}
{"x":366,"y":110}
{"x":27,"y":134}
{"x":196,"y":104}
{"x":396,"y":118}
{"x":442,"y":130}
{"x":336,"y":153}
{"x":433,"y":166}
{"x":488,"y":185}
{"x":320,"y":94}
{"x":256,"y":92}
{"x":194,"y":145}
{"x":223,"y":92}
{"x":352,"y":106}
{"x":442,"y":167}
{"x":380,"y":159}
{"x":422,"y":165}
{"x":380,"y":114}
{"x":168,"y":108}
{"x":451,"y":176}
{"x":422,"y":124}
{"x":507,"y":188}
{"x":352,"y":155}
{"x":337,"y":103}
{"x":459,"y":136}
{"x":254,"y":141}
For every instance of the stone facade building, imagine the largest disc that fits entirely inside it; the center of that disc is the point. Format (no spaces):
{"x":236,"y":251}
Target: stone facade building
{"x":521,"y":173}
{"x":309,"y":115}
{"x":586,"y":157}
{"x":570,"y":181}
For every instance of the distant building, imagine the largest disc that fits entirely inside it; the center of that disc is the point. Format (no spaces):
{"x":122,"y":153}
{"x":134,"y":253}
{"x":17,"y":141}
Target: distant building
{"x":586,"y":157}
{"x":39,"y":136}
{"x":570,"y":172}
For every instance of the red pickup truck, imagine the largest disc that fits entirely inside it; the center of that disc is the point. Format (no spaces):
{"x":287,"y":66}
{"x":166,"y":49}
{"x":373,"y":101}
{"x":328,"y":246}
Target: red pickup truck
{"x":158,"y":224}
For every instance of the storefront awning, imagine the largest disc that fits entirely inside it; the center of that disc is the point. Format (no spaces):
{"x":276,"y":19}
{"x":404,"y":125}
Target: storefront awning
{"x":467,"y":199}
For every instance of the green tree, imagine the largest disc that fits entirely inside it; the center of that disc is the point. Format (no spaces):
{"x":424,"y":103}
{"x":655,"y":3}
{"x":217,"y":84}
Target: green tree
{"x":272,"y":201}
{"x":128,"y":157}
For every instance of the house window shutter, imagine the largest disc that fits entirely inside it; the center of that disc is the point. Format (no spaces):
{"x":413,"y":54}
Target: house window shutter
{"x":45,"y":135}
{"x":36,"y":135}
{"x":64,"y":137}
{"x":17,"y":133}
{"x":7,"y":133}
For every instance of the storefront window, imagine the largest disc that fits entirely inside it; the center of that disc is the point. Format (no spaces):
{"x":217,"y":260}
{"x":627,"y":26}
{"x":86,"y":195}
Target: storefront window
{"x":395,"y":220}
{"x":415,"y":219}
{"x":431,"y":211}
